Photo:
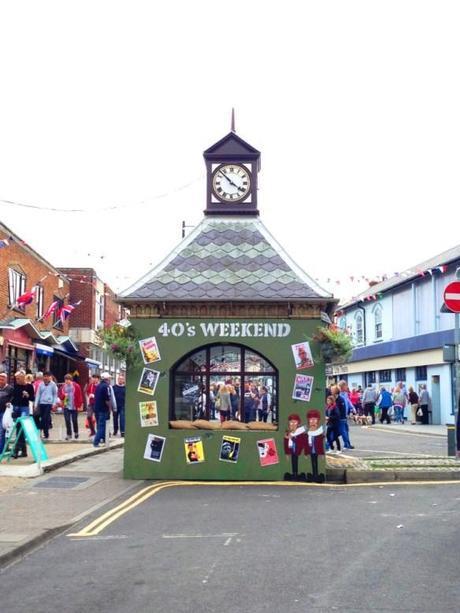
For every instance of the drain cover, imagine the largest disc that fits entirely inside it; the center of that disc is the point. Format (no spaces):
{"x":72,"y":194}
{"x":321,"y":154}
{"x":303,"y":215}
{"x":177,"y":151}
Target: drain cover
{"x":61,"y":482}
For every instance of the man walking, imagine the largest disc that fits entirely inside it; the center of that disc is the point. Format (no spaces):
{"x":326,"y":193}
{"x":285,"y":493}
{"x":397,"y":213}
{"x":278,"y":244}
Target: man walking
{"x":46,"y":399}
{"x":102,"y":406}
{"x":369,"y":399}
{"x":72,"y":400}
{"x":119,"y":391}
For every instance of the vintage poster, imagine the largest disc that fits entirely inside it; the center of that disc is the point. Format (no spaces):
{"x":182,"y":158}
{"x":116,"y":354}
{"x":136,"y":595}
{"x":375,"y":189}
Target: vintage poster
{"x":229,"y":449}
{"x":302,"y":387}
{"x":149,"y":350}
{"x":149,"y":414}
{"x":194,"y":451}
{"x":148,"y":382}
{"x":302,"y":355}
{"x":268,"y":454}
{"x":154,"y":448}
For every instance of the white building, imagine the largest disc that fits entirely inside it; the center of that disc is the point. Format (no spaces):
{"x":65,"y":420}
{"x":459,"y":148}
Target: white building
{"x":400,"y":330}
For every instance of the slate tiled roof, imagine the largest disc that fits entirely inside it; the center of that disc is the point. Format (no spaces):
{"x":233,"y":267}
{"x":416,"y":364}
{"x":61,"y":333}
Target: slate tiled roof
{"x":227,"y":258}
{"x":446,"y":257}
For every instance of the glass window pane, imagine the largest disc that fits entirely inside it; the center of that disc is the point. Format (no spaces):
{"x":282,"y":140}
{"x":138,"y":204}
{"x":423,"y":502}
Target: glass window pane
{"x":194,"y":363}
{"x":225,"y":359}
{"x":188,"y":397}
{"x":253,"y":362}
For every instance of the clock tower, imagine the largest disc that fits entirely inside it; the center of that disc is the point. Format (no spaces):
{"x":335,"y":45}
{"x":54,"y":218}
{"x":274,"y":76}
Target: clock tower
{"x":232,"y":166}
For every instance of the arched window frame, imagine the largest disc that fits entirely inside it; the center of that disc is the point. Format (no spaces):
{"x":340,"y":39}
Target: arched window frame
{"x":378,"y":322}
{"x":206,"y":373}
{"x":359,"y":328}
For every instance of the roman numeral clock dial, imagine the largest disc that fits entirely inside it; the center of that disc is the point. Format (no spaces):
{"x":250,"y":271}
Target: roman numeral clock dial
{"x":231,"y":182}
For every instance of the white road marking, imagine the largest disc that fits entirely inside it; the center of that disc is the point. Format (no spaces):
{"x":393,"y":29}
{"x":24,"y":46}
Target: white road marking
{"x":199,"y":536}
{"x":228,"y":541}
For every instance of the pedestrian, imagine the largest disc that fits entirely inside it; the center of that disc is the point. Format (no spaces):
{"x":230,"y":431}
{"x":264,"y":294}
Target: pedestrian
{"x":248,"y":404}
{"x":399,"y":402}
{"x":23,"y":393}
{"x":6,"y":396}
{"x":355,"y":399}
{"x":38,"y":379}
{"x":46,"y":400}
{"x":264,"y":406}
{"x":90,"y":394}
{"x":424,"y":402}
{"x":333,"y":424}
{"x":343,"y":403}
{"x":413,"y":401}
{"x":225,"y":404}
{"x":119,"y":391}
{"x":102,"y":406}
{"x":369,"y":399}
{"x":385,"y":403}
{"x":72,"y":401}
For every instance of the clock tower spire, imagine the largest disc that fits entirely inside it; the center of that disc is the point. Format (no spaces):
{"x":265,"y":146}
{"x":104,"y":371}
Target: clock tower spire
{"x":232,"y":165}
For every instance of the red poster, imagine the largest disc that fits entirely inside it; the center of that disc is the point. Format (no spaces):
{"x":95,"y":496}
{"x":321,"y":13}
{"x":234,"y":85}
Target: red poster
{"x":268,"y":453}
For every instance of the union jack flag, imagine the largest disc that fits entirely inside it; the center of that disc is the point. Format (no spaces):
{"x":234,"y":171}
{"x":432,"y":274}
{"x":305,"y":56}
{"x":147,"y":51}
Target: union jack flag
{"x":66,"y":310}
{"x":53,"y":307}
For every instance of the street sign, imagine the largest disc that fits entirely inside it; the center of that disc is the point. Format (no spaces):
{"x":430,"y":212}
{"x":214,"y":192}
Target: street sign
{"x":452,"y":297}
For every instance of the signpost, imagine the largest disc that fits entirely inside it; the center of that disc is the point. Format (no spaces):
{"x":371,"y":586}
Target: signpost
{"x":452,"y":302}
{"x":452,"y":297}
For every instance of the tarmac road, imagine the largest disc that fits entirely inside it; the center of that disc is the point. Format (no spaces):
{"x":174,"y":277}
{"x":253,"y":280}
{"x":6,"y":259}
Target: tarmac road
{"x":255,"y":549}
{"x":396,"y":440}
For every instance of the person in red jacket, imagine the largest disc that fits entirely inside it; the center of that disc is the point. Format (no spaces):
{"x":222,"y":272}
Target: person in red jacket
{"x":72,"y":401}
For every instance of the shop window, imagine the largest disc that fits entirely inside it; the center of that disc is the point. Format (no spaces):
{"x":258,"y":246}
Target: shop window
{"x":401,"y":374}
{"x":420,"y":373}
{"x":39,"y":300}
{"x":16,"y":287}
{"x":384,"y":376}
{"x":359,"y":328}
{"x":371,"y":377}
{"x":248,"y":377}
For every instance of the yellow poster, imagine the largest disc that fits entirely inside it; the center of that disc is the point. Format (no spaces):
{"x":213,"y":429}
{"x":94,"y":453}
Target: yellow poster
{"x":194,"y":451}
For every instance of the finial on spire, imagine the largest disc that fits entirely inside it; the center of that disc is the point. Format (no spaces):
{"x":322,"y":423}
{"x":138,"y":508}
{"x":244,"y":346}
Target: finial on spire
{"x":233,"y":120}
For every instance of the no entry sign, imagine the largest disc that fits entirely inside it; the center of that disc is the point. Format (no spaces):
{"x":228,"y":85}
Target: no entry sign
{"x":452,"y":297}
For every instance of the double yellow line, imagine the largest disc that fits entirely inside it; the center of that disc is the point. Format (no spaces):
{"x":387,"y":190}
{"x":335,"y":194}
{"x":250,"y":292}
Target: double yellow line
{"x":96,"y":526}
{"x":99,"y":524}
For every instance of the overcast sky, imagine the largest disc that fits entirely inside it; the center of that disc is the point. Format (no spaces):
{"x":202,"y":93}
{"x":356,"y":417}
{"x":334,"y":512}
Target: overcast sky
{"x":355,"y":107}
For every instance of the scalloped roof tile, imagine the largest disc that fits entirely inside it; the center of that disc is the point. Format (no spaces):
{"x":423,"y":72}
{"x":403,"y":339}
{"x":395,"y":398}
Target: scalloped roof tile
{"x":227,"y":259}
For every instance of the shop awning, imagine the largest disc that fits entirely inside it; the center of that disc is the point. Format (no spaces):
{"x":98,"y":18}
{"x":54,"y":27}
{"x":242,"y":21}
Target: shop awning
{"x":43,"y":349}
{"x":93,"y":363}
{"x":21,"y":345}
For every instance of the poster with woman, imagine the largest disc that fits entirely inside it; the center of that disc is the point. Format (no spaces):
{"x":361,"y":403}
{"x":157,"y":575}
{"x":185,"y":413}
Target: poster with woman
{"x":148,"y":413}
{"x":149,"y":350}
{"x":148,"y":381}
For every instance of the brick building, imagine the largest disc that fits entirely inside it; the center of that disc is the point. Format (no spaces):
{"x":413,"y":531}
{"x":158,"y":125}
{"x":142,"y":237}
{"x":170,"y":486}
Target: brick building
{"x":97,"y":310}
{"x":26,"y":340}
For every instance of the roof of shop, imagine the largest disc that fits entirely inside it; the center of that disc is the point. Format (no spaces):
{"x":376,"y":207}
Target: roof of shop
{"x":227,"y":258}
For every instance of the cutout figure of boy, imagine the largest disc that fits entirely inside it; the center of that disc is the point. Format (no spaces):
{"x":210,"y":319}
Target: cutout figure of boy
{"x":313,"y":444}
{"x":294,"y":444}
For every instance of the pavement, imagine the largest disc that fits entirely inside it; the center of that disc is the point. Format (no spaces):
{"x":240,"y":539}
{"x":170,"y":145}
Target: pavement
{"x":36,"y":506}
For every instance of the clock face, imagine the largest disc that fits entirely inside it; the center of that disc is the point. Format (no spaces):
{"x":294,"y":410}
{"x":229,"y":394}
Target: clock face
{"x":231,"y":182}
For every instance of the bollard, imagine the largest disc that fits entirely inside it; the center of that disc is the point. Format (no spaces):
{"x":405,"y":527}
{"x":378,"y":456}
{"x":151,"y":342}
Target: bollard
{"x":451,"y":440}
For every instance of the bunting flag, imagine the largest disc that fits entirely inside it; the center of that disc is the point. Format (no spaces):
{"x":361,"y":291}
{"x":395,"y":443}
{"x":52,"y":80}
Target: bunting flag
{"x":66,"y":310}
{"x":56,"y":305}
{"x":3,"y":243}
{"x":25,"y":299}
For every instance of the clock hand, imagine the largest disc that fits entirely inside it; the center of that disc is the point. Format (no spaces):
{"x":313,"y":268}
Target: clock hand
{"x":229,"y":180}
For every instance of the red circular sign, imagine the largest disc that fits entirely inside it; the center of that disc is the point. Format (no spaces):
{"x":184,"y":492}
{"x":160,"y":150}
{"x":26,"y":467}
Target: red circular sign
{"x":452,"y":297}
